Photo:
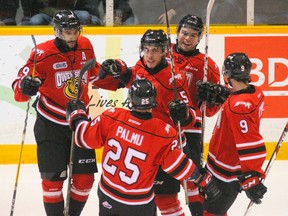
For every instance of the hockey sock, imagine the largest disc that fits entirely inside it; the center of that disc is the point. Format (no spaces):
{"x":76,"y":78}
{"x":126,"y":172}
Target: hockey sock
{"x":75,"y":207}
{"x":54,"y":209}
{"x":169,"y":204}
{"x":196,"y":208}
{"x":53,"y":197}
{"x":81,"y":186}
{"x":209,"y":214}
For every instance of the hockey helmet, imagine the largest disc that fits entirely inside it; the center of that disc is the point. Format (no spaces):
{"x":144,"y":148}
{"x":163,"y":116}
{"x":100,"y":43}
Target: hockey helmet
{"x":191,"y":21}
{"x":66,"y":19}
{"x":142,"y":94}
{"x":237,"y":66}
{"x":154,"y":37}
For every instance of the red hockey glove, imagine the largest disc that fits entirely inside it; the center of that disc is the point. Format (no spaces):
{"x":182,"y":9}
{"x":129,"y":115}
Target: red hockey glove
{"x":75,"y":113}
{"x":30,"y":86}
{"x":112,"y":67}
{"x":252,"y":186}
{"x":208,"y":186}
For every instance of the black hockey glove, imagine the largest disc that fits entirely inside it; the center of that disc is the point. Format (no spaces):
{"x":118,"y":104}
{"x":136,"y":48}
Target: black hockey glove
{"x":252,"y":186}
{"x":208,"y":186}
{"x":112,"y":67}
{"x":179,"y":111}
{"x":75,"y":112}
{"x":205,"y":90}
{"x":220,"y":94}
{"x":29,"y":85}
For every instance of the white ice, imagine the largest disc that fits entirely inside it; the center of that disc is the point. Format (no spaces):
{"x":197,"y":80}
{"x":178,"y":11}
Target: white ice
{"x":29,"y":194}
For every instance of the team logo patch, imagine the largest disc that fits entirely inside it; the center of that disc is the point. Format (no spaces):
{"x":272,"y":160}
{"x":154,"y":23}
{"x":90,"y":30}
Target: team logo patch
{"x":60,"y":65}
{"x":106,"y":205}
{"x":71,"y":88}
{"x":243,"y":103}
{"x":178,"y":76}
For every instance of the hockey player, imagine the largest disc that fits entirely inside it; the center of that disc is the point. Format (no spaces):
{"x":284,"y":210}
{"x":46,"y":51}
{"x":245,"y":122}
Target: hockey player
{"x":154,"y":67}
{"x":54,"y":75}
{"x":236,"y":150}
{"x":188,"y":59}
{"x":135,"y":145}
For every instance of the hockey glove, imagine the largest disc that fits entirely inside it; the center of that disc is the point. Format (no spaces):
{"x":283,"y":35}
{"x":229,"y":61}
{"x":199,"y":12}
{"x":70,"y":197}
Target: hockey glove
{"x":252,"y":186}
{"x":208,"y":186}
{"x":220,"y":94}
{"x":205,"y":91}
{"x":29,"y":85}
{"x":179,"y":111}
{"x":111,"y":67}
{"x":75,"y":112}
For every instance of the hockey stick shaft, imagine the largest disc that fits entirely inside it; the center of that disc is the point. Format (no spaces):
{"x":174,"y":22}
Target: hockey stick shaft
{"x":23,"y":136}
{"x":271,"y":161}
{"x":175,"y":92}
{"x":88,"y":65}
{"x":35,"y":55}
{"x":203,"y":106}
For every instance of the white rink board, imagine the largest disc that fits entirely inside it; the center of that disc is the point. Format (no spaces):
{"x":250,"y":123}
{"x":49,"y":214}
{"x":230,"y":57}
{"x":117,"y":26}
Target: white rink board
{"x":16,"y":49}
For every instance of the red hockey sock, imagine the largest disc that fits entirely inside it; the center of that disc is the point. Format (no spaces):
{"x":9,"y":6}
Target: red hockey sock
{"x":81,"y":186}
{"x":209,"y":214}
{"x":52,"y":191}
{"x":169,"y":204}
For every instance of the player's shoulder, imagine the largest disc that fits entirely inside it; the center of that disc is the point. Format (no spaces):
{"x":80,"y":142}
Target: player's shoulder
{"x":84,"y":42}
{"x":115,"y":111}
{"x":163,"y":129}
{"x":45,"y":49}
{"x":246,"y":101}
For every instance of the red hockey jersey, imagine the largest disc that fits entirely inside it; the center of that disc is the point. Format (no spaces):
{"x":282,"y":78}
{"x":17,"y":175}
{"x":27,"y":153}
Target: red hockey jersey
{"x":236,"y":145}
{"x":163,"y":83}
{"x":134,"y":148}
{"x":193,"y":67}
{"x":59,"y":73}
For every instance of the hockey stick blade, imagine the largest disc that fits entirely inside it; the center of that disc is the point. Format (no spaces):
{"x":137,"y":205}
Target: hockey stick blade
{"x":272,"y":159}
{"x":88,"y":65}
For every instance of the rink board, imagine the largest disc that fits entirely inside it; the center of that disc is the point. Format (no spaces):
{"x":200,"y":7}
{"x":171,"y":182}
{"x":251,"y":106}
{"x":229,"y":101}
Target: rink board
{"x":264,"y":44}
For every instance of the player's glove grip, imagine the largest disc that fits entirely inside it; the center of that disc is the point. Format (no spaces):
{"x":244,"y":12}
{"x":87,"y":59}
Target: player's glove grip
{"x":208,"y":186}
{"x":221,"y":93}
{"x":29,"y":85}
{"x":112,"y":67}
{"x":178,"y":110}
{"x":75,"y":112}
{"x":205,"y":91}
{"x":252,"y":186}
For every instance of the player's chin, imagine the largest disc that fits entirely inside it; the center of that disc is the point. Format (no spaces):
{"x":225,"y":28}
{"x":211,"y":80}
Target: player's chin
{"x":151,"y":64}
{"x":186,"y":47}
{"x":71,"y":44}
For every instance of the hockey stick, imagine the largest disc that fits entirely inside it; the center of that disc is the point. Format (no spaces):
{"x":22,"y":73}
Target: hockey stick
{"x":23,"y":135}
{"x":203,"y":106}
{"x":88,"y":65}
{"x":175,"y":92}
{"x":270,"y":163}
